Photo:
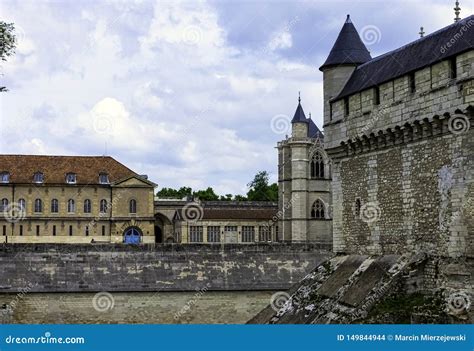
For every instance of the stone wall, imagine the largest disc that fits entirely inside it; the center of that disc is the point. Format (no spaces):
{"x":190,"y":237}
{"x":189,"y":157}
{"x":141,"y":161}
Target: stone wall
{"x":412,"y":197}
{"x":107,"y":267}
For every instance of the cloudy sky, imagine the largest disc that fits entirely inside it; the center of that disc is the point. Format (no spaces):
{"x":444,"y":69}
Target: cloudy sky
{"x":185,"y":92}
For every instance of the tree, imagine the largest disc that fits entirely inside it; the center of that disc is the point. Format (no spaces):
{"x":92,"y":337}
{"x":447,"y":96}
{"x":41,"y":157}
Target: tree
{"x":206,"y":195}
{"x":173,"y":193}
{"x":7,"y":43}
{"x":260,"y":190}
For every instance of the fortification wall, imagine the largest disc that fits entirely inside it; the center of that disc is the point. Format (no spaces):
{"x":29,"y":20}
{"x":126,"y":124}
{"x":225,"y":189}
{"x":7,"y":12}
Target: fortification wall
{"x":108,"y":267}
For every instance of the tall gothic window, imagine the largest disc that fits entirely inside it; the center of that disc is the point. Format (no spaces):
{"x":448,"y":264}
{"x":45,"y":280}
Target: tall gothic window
{"x":317,"y":211}
{"x":54,"y":206}
{"x":87,"y":206}
{"x":317,"y":166}
{"x":38,"y":206}
{"x":133,"y":206}
{"x":103,"y":206}
{"x":71,"y":206}
{"x":4,"y":205}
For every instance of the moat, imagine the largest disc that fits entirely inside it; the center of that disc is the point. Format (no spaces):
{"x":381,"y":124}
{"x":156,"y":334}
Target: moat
{"x":134,"y":307}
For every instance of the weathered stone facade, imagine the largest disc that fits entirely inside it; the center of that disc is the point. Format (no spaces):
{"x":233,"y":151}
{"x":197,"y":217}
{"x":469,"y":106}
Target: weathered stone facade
{"x":304,"y":186}
{"x":403,"y":160}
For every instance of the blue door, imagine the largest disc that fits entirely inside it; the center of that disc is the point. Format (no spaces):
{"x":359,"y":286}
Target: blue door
{"x":132,"y":236}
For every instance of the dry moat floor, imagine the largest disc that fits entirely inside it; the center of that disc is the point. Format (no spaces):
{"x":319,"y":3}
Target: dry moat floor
{"x":134,"y":307}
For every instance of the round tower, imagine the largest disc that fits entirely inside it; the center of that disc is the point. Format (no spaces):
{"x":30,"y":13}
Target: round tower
{"x":347,"y":53}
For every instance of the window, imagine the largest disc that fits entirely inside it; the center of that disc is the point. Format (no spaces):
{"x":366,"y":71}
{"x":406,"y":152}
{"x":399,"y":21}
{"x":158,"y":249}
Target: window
{"x":330,"y":111}
{"x":71,"y":206}
{"x":103,"y":230}
{"x":22,"y":205}
{"x":214,"y":234}
{"x":103,"y":206}
{"x":317,"y":211}
{"x":103,"y":178}
{"x":317,"y":165}
{"x":4,"y":230}
{"x":70,"y":230}
{"x":38,"y":177}
{"x":346,"y":106}
{"x":376,"y":96}
{"x":357,"y":208}
{"x":248,"y":234}
{"x":411,"y":80}
{"x":37,"y":230}
{"x":71,"y":178}
{"x":4,"y":205}
{"x":195,"y":234}
{"x":132,"y":206}
{"x":87,"y":206}
{"x":87,"y":230}
{"x":38,"y":206}
{"x":21,"y":229}
{"x":4,"y":177}
{"x":54,"y":230}
{"x":54,"y":206}
{"x":230,"y":228}
{"x":265,"y":233}
{"x":453,"y":71}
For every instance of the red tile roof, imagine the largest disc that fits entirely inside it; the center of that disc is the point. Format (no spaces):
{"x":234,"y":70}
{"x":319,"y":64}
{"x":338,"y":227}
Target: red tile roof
{"x":87,"y":168}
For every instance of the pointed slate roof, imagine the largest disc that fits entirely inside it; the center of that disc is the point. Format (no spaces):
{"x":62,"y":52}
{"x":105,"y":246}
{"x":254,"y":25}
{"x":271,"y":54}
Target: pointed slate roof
{"x":299,"y":116}
{"x":348,"y":48}
{"x":426,"y":51}
{"x":313,"y":130}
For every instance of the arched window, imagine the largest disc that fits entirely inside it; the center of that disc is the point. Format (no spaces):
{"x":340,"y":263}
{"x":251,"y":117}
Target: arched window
{"x":317,"y":166}
{"x":317,"y":211}
{"x":22,"y":205}
{"x":87,"y":206}
{"x":71,"y":206}
{"x":103,"y":206}
{"x":38,"y":177}
{"x":54,"y":206}
{"x":4,"y":205}
{"x":133,"y":206}
{"x":38,"y":206}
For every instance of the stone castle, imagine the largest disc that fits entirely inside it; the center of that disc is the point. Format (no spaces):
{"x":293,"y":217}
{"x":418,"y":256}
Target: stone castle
{"x":394,"y":170}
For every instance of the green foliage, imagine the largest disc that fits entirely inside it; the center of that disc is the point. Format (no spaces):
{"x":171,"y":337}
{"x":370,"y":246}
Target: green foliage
{"x":7,"y":43}
{"x":260,"y":190}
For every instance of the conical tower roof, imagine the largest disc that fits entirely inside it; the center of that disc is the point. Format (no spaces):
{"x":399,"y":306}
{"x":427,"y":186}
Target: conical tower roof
{"x":299,"y":116}
{"x":348,"y":48}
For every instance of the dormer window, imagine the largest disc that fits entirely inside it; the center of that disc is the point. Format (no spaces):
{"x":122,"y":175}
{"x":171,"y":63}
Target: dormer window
{"x":4,"y":177}
{"x":71,"y":178}
{"x":38,"y":177}
{"x":103,"y":178}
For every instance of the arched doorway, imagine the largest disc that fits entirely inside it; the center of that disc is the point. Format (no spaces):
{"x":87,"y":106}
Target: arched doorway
{"x":132,"y":235}
{"x":158,"y":234}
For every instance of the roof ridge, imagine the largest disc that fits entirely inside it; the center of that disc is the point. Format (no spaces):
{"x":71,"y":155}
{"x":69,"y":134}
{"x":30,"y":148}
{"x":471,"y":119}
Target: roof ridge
{"x":415,"y":41}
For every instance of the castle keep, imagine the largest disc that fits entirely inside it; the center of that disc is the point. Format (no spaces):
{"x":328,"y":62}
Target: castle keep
{"x":398,"y":132}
